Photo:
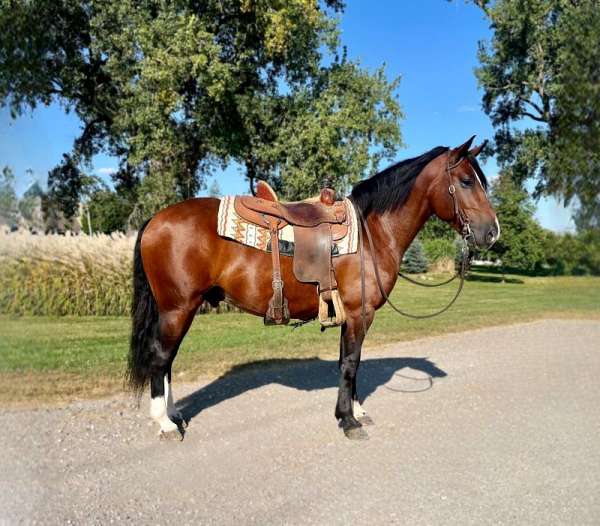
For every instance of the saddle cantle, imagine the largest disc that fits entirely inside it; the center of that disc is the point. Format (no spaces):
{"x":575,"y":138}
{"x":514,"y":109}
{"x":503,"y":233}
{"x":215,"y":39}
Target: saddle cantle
{"x":316,"y":223}
{"x":264,"y":191}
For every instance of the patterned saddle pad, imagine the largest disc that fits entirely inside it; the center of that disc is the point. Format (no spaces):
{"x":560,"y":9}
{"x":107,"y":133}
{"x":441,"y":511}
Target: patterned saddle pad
{"x":232,"y":226}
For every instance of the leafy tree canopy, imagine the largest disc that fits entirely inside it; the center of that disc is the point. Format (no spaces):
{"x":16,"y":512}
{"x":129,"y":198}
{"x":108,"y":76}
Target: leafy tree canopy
{"x":176,"y":88}
{"x":108,"y":212}
{"x":65,"y":183}
{"x":520,"y":243}
{"x":541,"y":79}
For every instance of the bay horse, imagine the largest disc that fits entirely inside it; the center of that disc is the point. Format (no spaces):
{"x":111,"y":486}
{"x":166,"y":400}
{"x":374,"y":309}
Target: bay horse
{"x":180,"y":261}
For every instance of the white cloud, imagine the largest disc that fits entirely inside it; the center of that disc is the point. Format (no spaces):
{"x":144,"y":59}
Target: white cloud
{"x":106,"y":171}
{"x":466,"y":108}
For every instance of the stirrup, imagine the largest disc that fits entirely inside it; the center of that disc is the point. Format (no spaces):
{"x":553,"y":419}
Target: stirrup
{"x":338,"y":316}
{"x":278,"y":312}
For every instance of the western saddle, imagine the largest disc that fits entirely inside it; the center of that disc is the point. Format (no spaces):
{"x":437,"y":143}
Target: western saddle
{"x":317,"y":222}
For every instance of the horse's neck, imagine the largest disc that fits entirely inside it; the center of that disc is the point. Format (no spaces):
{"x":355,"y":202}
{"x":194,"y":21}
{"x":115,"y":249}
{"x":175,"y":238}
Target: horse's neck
{"x":397,"y":229}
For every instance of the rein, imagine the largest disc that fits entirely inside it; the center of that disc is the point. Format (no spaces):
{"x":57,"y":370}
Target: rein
{"x":462,"y":220}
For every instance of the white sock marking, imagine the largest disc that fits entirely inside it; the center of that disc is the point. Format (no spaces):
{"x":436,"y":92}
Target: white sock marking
{"x":172,"y":411}
{"x":158,"y":411}
{"x":357,"y":409}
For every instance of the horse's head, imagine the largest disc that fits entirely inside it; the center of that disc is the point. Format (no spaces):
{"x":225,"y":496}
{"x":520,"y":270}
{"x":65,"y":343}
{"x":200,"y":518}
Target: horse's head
{"x":459,"y":196}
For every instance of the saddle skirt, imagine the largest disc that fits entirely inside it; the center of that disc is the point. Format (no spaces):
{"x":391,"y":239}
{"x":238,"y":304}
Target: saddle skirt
{"x":230,"y":225}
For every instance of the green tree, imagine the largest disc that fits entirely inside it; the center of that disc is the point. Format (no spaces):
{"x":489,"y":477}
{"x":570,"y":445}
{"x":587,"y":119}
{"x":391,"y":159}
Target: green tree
{"x":214,"y":190}
{"x":65,"y":183}
{"x":435,"y":228}
{"x":337,"y":129}
{"x":30,"y":206}
{"x":176,"y":89}
{"x":108,"y":212}
{"x":414,"y":260}
{"x":520,"y":243}
{"x":8,"y":197}
{"x":572,"y":254}
{"x":540,"y":75}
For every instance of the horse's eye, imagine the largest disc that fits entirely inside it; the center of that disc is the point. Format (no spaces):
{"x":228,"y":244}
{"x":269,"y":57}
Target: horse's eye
{"x":466,"y":183}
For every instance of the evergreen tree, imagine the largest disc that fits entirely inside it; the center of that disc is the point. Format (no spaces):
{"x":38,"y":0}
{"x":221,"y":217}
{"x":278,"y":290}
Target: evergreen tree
{"x":414,"y":260}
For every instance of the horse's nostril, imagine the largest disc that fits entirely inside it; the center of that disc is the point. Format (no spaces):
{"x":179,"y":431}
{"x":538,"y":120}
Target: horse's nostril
{"x":491,"y":236}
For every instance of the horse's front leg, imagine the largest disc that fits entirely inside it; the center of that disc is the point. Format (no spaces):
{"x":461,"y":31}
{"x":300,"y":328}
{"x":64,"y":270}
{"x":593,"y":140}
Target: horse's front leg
{"x":357,"y":409}
{"x":350,"y":348}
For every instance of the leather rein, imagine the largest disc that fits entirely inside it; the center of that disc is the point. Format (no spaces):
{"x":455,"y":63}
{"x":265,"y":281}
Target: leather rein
{"x":459,"y":217}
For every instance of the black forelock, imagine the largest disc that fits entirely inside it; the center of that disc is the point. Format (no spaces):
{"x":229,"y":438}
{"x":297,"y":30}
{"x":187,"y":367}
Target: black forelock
{"x":479,"y":172}
{"x":390,"y":188}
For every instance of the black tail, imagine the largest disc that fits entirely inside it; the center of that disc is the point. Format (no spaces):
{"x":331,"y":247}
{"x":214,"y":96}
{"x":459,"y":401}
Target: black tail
{"x":144,"y":324}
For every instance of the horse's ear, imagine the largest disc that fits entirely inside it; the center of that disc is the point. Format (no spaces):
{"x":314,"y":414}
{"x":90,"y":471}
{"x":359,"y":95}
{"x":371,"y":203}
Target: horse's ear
{"x":477,"y":150}
{"x":457,"y":154}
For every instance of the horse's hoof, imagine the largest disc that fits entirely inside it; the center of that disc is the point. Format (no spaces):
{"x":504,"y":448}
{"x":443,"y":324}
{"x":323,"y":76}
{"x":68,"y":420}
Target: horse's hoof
{"x":179,"y":420}
{"x":176,"y":435}
{"x":356,"y":433}
{"x":353,"y":429}
{"x":366,"y":420}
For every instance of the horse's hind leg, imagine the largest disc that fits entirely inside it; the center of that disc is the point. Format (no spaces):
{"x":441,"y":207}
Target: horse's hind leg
{"x":172,"y":412}
{"x":172,"y":328}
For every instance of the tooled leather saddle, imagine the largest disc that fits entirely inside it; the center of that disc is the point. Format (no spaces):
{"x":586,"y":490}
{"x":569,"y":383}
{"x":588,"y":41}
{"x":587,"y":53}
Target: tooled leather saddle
{"x":317,"y":223}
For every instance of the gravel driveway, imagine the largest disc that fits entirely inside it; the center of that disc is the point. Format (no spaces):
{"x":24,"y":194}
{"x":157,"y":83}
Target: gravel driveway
{"x":507,"y":432}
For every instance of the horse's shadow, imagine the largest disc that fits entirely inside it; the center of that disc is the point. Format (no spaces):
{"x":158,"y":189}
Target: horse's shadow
{"x":306,"y":374}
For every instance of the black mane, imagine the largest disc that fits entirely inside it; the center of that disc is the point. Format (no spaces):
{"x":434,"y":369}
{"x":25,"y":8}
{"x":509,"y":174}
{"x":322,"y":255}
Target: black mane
{"x":390,"y":188}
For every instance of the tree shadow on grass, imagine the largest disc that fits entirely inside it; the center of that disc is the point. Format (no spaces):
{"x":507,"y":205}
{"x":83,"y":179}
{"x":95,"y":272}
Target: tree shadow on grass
{"x":486,"y":278}
{"x":308,"y":374}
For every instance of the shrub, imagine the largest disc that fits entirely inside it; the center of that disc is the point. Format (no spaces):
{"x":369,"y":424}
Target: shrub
{"x":571,"y":254}
{"x":439,"y":249}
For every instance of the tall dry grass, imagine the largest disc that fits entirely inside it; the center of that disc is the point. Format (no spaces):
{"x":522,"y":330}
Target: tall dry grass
{"x":57,"y":275}
{"x":68,"y":275}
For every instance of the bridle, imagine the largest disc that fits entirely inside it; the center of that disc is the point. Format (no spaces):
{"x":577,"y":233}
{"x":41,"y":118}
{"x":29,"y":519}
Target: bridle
{"x":460,"y":218}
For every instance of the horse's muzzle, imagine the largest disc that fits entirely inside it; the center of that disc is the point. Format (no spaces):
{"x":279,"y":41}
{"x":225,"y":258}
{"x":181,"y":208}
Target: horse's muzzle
{"x":485,"y":236}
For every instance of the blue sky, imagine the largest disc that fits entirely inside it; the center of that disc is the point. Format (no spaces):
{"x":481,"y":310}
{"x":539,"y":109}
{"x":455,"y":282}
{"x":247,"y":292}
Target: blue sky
{"x":430,"y":44}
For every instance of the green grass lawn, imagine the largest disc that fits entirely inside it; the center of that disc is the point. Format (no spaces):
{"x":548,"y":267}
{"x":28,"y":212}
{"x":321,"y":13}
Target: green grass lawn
{"x":63,"y":358}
